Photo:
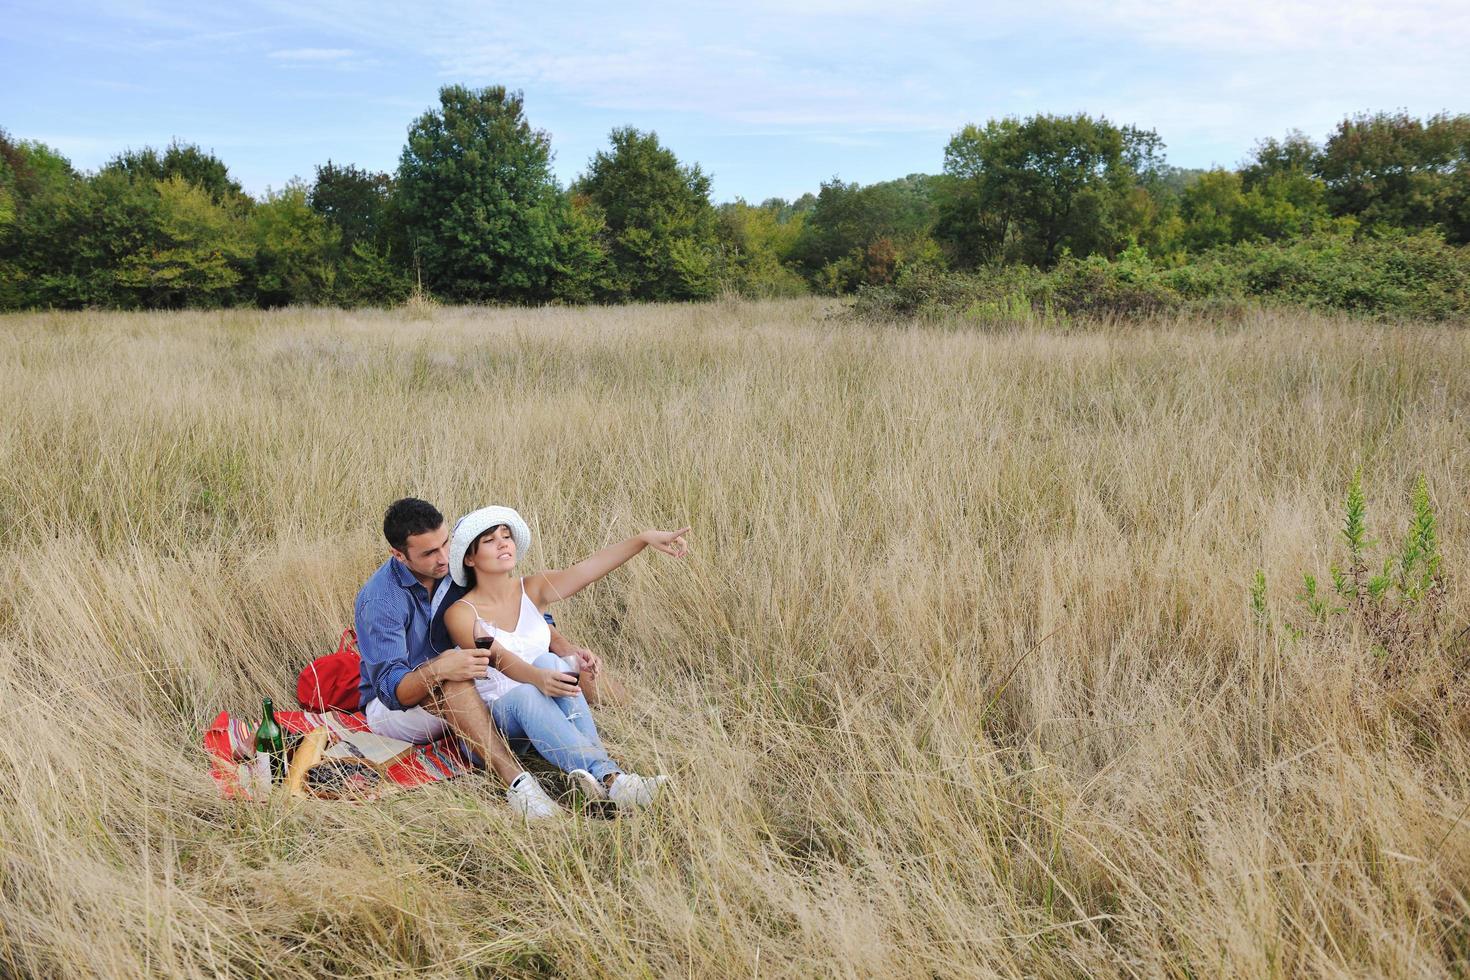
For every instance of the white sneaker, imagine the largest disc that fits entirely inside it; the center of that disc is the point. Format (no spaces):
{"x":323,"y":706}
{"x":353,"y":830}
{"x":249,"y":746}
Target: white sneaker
{"x":529,"y":800}
{"x":631,"y":791}
{"x":591,"y":787}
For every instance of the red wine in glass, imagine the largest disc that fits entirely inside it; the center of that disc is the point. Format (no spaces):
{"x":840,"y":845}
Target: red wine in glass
{"x":571,"y":665}
{"x":485,"y":637}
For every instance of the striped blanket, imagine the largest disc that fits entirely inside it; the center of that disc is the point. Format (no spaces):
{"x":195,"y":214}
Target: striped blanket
{"x":230,"y":743}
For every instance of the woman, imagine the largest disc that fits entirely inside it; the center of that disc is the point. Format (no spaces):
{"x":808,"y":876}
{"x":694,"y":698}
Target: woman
{"x":530,"y":695}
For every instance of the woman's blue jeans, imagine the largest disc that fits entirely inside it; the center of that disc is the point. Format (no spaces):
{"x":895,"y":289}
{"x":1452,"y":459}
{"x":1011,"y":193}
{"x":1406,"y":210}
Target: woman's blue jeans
{"x":561,"y":729}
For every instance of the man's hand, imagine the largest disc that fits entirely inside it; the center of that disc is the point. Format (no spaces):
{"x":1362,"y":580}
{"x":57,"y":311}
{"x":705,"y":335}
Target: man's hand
{"x":555,"y":684}
{"x":590,"y":662}
{"x":671,"y":543}
{"x":459,"y":665}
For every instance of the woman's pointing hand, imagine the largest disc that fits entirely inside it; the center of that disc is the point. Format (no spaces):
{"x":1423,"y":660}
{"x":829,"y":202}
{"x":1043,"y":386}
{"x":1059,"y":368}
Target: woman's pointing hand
{"x":671,"y":543}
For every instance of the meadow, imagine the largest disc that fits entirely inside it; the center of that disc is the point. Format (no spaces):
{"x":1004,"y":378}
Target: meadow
{"x":962,"y":676}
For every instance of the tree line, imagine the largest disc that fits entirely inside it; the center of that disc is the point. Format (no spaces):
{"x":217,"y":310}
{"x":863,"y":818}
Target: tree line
{"x":473,"y":213}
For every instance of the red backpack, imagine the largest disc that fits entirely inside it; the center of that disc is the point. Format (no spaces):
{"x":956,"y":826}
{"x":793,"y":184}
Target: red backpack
{"x":330,"y":683}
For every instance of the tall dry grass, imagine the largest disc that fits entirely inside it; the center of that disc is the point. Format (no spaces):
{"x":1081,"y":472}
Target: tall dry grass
{"x":888,"y":520}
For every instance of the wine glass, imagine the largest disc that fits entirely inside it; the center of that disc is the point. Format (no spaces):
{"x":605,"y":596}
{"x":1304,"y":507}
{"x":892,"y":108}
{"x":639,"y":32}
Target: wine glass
{"x":484,"y":634}
{"x":571,"y":665}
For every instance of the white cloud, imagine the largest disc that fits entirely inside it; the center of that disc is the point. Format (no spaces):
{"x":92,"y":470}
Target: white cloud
{"x":116,"y":85}
{"x":741,"y":66}
{"x":1251,"y":26}
{"x":312,"y":54}
{"x":847,"y":65}
{"x":838,"y":139}
{"x":1211,"y":78}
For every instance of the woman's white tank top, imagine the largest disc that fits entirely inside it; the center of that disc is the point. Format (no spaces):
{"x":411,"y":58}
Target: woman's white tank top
{"x":530,"y":639}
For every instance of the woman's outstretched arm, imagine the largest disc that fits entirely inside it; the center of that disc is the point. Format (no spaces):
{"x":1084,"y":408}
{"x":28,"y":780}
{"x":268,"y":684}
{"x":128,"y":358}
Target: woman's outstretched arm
{"x":562,"y":583}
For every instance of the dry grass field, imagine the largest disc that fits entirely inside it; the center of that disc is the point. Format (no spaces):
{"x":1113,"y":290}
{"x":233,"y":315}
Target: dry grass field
{"x":961,"y":678}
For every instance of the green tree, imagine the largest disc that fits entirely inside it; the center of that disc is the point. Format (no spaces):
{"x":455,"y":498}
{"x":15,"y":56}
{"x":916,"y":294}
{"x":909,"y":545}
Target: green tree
{"x":7,"y":197}
{"x":1210,"y":208}
{"x":1293,"y":156}
{"x":1221,"y":208}
{"x":374,"y":267}
{"x":1288,"y":205}
{"x":144,"y":231}
{"x":1393,"y":170}
{"x":354,"y":200}
{"x":74,"y":235}
{"x":1030,"y":190}
{"x":187,"y":162}
{"x":297,"y":250}
{"x":38,"y":190}
{"x":858,"y":234}
{"x":193,"y":251}
{"x":659,"y":226}
{"x":757,"y":242}
{"x":583,"y":270}
{"x":479,"y":202}
{"x":786,"y":211}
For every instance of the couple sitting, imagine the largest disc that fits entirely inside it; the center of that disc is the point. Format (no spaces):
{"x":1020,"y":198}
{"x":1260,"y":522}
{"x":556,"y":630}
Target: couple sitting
{"x":423,"y":676}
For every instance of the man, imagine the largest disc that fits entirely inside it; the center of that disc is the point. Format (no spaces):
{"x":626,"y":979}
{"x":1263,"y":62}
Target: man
{"x":408,"y":692}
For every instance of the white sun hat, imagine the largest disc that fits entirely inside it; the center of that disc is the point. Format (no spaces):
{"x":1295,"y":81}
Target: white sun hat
{"x":477,"y":522}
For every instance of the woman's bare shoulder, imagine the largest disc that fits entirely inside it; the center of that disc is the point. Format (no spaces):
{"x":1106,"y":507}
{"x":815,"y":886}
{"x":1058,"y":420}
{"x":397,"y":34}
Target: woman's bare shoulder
{"x":459,"y":620}
{"x":459,"y":611}
{"x":538,"y":588}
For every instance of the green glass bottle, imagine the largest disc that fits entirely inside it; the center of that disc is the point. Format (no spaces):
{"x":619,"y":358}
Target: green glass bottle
{"x":271,"y":742}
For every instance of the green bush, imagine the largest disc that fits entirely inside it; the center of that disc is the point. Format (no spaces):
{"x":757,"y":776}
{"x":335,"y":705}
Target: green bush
{"x":1388,"y":277}
{"x":1093,"y":288}
{"x":989,"y":294}
{"x":368,"y":276}
{"x":1398,"y":605}
{"x":1131,"y":285}
{"x":1384,"y":276}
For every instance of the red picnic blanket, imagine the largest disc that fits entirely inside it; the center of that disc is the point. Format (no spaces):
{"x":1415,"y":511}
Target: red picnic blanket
{"x":230,"y":743}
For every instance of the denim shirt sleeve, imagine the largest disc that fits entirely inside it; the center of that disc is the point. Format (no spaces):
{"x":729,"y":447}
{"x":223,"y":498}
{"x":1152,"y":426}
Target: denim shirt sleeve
{"x":382,"y":639}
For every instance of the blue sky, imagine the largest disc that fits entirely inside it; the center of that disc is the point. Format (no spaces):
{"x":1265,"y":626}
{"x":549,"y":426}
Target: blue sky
{"x":769,"y":97}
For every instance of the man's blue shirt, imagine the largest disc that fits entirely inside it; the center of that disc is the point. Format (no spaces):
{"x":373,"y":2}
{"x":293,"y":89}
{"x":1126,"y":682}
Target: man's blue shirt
{"x":392,"y":614}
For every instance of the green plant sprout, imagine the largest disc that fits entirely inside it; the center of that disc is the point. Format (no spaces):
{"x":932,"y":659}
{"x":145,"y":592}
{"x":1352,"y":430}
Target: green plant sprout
{"x":1399,"y":607}
{"x":1258,"y":600}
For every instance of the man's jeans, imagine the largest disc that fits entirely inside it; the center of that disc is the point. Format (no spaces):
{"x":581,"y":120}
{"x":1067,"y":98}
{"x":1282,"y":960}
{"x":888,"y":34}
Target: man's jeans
{"x":561,"y":729}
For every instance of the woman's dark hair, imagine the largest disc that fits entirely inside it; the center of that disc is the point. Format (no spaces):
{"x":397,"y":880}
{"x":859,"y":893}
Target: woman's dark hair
{"x":408,"y":517}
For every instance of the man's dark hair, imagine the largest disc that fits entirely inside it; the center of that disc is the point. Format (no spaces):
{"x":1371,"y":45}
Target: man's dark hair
{"x":407,"y":517}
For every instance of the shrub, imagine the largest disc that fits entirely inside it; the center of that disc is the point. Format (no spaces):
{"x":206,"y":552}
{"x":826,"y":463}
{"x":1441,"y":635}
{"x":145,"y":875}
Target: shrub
{"x":990,"y":294}
{"x":1096,"y":288}
{"x":1091,"y":287}
{"x":1383,"y":276}
{"x":1398,"y":604}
